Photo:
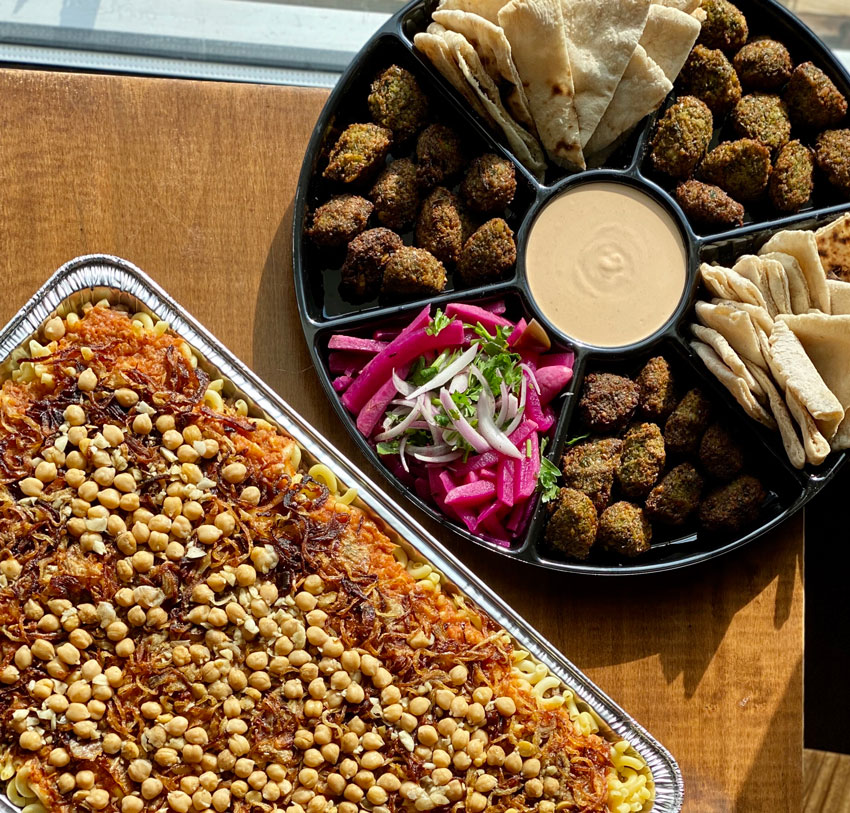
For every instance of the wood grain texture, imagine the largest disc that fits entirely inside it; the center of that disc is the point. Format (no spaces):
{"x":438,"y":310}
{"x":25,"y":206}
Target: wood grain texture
{"x":194,"y":182}
{"x":826,"y":782}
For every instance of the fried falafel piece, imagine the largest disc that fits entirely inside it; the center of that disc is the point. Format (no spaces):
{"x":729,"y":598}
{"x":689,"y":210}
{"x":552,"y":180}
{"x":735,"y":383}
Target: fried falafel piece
{"x":763,"y":64}
{"x":339,"y":221}
{"x":607,"y":401}
{"x":359,"y":153}
{"x":709,"y":76}
{"x":812,"y":98}
{"x":488,"y":255}
{"x":741,"y":168}
{"x":439,"y":227}
{"x":642,"y":459}
{"x":763,"y":117}
{"x":589,"y":467}
{"x":396,"y":195}
{"x":792,"y":180}
{"x":655,"y":384}
{"x":624,"y":529}
{"x":365,"y":261}
{"x":682,"y":137}
{"x":413,"y":271}
{"x":708,"y":205}
{"x":572,"y":527}
{"x":397,"y":102}
{"x":731,"y":507}
{"x":720,"y":455}
{"x":724,"y":27}
{"x":489,"y":185}
{"x":439,"y":155}
{"x":676,"y":497}
{"x":832,"y":153}
{"x":683,"y":429}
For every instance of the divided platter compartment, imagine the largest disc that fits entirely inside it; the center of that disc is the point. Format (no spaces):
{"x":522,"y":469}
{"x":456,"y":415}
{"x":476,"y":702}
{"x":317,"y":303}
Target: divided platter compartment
{"x":323,"y":312}
{"x":92,"y":278}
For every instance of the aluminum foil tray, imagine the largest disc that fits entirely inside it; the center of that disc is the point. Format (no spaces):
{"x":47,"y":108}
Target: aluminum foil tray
{"x":95,"y":277}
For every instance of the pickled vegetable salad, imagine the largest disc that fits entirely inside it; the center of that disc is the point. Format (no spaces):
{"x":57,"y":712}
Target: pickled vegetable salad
{"x":458,"y":405}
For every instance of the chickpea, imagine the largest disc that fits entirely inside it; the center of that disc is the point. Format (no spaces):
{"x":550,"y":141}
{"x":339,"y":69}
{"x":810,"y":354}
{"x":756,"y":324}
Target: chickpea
{"x":221,"y":800}
{"x":476,"y":803}
{"x":151,"y":788}
{"x":505,"y":706}
{"x":66,"y":783}
{"x":59,"y":758}
{"x":111,"y":743}
{"x":234,"y":472}
{"x":427,"y":735}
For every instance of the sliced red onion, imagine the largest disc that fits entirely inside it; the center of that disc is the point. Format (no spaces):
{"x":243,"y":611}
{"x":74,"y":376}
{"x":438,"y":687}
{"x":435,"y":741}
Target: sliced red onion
{"x":402,"y":386}
{"x":401,"y":427}
{"x":530,"y":373}
{"x":448,"y":373}
{"x":462,"y":425}
{"x":504,"y":403}
{"x":486,"y":425}
{"x":401,"y":447}
{"x":520,"y":410}
{"x":459,"y":383}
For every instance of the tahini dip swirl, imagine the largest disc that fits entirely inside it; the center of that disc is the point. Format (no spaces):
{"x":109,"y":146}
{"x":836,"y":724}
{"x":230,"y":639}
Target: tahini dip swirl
{"x":606,"y":264}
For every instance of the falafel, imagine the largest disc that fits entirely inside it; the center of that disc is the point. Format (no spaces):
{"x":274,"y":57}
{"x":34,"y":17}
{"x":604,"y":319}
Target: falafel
{"x":623,"y":528}
{"x":489,"y":185}
{"x":396,"y":195}
{"x":763,"y":117}
{"x":367,"y":257}
{"x":720,"y":455}
{"x":656,"y":386}
{"x":708,"y":205}
{"x":813,"y":99}
{"x":686,"y":424}
{"x":708,"y":75}
{"x":642,"y":459}
{"x":339,"y":221}
{"x":731,"y":507}
{"x":439,"y":227}
{"x":682,"y":137}
{"x":589,"y":467}
{"x":358,"y":153}
{"x":439,"y":155}
{"x":724,"y":27}
{"x":741,"y":168}
{"x":832,"y":153}
{"x":488,"y":255}
{"x":397,"y":102}
{"x":792,"y":180}
{"x":572,"y":527}
{"x":415,"y":271}
{"x":763,"y":64}
{"x":676,"y":497}
{"x":607,"y":401}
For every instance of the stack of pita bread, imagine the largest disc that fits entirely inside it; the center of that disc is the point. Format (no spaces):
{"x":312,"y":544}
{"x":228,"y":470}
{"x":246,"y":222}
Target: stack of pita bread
{"x":777,"y":336}
{"x":563,"y":79}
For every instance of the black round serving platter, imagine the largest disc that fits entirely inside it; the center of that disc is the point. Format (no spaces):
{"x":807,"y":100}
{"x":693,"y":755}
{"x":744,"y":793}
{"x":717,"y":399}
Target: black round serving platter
{"x":324,"y":313}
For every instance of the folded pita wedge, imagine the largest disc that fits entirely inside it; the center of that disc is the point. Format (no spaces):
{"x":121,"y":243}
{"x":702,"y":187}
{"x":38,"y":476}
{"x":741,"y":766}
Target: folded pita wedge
{"x":717,"y":342}
{"x":524,"y":145}
{"x":798,"y":373}
{"x":641,"y":91}
{"x":834,"y":247}
{"x":535,"y":30}
{"x":488,"y":9}
{"x":826,"y":340}
{"x":839,"y":297}
{"x":784,"y":422}
{"x":688,"y":6}
{"x":494,"y":51}
{"x":436,"y":49}
{"x":668,"y":36}
{"x":729,"y":284}
{"x":760,"y":318}
{"x":803,"y":247}
{"x":735,"y":326}
{"x":798,"y":288}
{"x":777,"y":284}
{"x":733,"y":383}
{"x":750,"y":267}
{"x":815,"y":444}
{"x":601,"y":38}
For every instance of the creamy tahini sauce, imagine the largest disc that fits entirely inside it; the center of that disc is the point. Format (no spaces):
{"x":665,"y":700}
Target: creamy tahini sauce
{"x":606,"y":264}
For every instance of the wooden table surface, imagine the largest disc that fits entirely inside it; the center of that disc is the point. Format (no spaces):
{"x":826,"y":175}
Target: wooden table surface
{"x":194,"y":182}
